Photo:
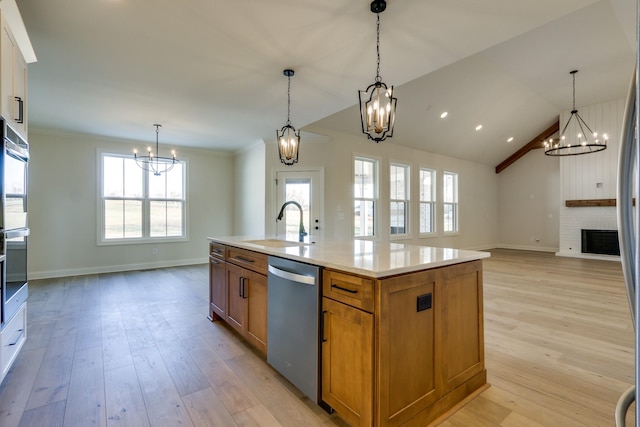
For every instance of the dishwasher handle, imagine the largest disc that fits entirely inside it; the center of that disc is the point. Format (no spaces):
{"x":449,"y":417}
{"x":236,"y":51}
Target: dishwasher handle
{"x":295,"y":277}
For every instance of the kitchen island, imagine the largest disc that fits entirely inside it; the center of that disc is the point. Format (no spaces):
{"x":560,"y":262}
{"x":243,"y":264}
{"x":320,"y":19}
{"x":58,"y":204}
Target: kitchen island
{"x":402,"y":325}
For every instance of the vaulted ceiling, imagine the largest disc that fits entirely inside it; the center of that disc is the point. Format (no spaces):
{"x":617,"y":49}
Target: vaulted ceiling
{"x":211,"y":71}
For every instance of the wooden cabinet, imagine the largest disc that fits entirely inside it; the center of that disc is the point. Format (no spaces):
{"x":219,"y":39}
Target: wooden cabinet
{"x":13,"y":80}
{"x":461,"y":335}
{"x":347,"y":361}
{"x":247,"y":305}
{"x":238,"y":291}
{"x":217,"y":282}
{"x":347,"y":346}
{"x":413,"y":344}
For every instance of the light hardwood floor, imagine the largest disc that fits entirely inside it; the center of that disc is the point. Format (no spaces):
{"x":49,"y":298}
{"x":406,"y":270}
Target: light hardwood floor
{"x":136,"y":349}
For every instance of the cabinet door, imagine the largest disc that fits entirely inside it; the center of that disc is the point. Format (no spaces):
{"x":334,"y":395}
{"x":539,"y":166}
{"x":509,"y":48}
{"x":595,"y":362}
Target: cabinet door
{"x":20,"y":91}
{"x":236,"y":303}
{"x":256,"y":298}
{"x":6,"y":70}
{"x":460,"y":337}
{"x":217,"y":289}
{"x":13,"y":77}
{"x":347,"y":361}
{"x":406,"y":347}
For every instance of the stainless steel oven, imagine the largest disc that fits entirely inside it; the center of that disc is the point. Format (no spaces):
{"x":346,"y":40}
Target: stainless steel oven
{"x":14,"y":164}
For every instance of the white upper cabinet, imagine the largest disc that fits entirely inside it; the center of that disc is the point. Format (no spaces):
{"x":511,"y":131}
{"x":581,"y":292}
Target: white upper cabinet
{"x":13,"y":80}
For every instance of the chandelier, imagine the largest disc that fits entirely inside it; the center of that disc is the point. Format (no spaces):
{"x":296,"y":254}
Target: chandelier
{"x":156,"y":164}
{"x":586,"y":141}
{"x":377,"y":104}
{"x":288,"y":138}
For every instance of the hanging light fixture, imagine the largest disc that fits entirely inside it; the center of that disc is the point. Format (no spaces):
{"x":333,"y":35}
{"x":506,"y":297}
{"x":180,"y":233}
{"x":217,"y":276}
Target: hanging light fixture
{"x":586,"y":141}
{"x":377,"y":104}
{"x":288,"y":138}
{"x":156,"y":164}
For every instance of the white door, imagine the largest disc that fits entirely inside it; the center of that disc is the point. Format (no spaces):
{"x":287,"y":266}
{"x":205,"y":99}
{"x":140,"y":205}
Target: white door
{"x":306,"y":189}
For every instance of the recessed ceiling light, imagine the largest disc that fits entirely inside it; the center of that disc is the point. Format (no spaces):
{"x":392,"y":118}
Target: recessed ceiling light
{"x":443,"y":115}
{"x":478,"y":127}
{"x":510,"y":139}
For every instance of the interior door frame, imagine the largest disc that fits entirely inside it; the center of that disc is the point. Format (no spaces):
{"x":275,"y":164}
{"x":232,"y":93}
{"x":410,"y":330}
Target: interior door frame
{"x":271,"y":226}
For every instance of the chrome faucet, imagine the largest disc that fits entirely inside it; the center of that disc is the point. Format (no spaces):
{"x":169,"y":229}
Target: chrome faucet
{"x":301,"y":232}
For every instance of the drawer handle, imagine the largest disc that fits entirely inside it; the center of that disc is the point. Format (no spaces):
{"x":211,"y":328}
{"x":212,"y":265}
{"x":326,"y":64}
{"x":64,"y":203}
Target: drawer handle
{"x":213,"y":261}
{"x":322,"y":338}
{"x":216,"y":251}
{"x":239,"y":258}
{"x":351,"y":291}
{"x":17,"y":339}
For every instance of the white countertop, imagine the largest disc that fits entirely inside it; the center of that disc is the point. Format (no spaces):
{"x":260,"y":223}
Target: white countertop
{"x":363,"y":257}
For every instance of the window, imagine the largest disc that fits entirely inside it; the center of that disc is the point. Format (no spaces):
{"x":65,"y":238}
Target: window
{"x":365,"y":179}
{"x":427,"y":201}
{"x":137,"y":205}
{"x":399,"y":199}
{"x":450,"y":201}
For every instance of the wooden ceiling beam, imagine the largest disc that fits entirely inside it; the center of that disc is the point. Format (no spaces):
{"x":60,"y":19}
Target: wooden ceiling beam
{"x":536,"y":142}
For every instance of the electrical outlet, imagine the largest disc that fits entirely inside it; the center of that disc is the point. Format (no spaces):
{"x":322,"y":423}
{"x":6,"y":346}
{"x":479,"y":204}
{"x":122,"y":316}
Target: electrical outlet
{"x":154,"y":251}
{"x":424,"y":302}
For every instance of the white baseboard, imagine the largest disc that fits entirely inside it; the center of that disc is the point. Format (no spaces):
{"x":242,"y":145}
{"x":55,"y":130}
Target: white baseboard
{"x":480,"y":248}
{"x":50,"y":274}
{"x":589,"y":256}
{"x":526,"y":248}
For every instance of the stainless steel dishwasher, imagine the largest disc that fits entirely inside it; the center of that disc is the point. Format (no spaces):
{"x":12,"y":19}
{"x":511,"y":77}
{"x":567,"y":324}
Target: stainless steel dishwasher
{"x":292,"y":326}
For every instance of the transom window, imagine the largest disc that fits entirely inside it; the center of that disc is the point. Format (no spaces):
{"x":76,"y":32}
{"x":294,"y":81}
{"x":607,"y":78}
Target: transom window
{"x":137,"y":205}
{"x":427,"y":201}
{"x":450,"y":201}
{"x":365,"y":193}
{"x":399,"y":198}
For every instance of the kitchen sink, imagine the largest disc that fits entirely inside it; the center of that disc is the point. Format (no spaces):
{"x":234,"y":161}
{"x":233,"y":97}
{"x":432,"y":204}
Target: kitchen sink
{"x":276,"y":243}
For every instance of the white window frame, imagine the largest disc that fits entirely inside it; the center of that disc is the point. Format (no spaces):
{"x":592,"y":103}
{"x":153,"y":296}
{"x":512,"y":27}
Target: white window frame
{"x":430,"y":200}
{"x":450,"y":199}
{"x":406,"y":201}
{"x":373,"y":200}
{"x":146,"y":203}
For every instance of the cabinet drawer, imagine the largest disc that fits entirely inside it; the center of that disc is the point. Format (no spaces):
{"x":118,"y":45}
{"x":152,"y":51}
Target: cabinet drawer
{"x":248,"y":259}
{"x":12,"y":338}
{"x":217,"y":250}
{"x":353,"y":290}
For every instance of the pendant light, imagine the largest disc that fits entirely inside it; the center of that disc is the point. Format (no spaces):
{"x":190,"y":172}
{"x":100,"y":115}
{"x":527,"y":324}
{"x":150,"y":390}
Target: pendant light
{"x":586,"y":141}
{"x":288,"y":138}
{"x":156,"y":164}
{"x":377,"y":104}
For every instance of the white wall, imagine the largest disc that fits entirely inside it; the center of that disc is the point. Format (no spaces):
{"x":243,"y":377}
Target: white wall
{"x":477,"y":188}
{"x":249,"y":197}
{"x":529,"y":203}
{"x":591,"y":176}
{"x":63,"y":208}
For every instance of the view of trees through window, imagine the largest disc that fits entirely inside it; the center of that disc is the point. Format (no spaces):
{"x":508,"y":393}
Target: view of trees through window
{"x":399,"y":198}
{"x":429,"y":208}
{"x":450,"y":201}
{"x":137,"y":204}
{"x":427,"y":200}
{"x":365,"y":193}
{"x":298,"y":190}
